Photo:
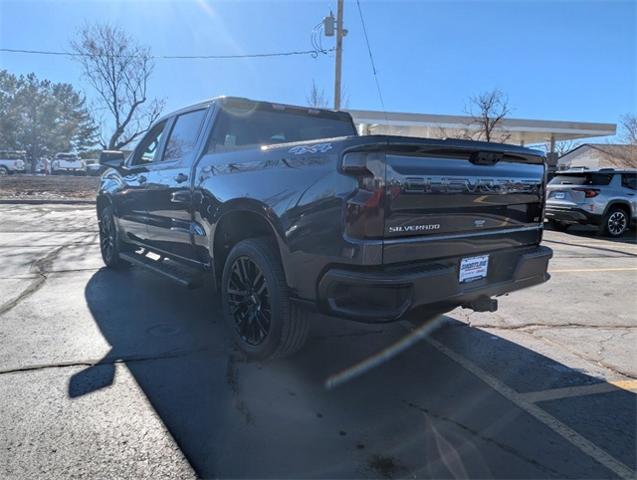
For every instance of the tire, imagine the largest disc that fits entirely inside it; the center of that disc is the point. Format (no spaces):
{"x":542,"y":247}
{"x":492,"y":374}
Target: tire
{"x":257,"y":310}
{"x":110,"y":245}
{"x":615,"y":222}
{"x":558,"y":226}
{"x":4,"y":171}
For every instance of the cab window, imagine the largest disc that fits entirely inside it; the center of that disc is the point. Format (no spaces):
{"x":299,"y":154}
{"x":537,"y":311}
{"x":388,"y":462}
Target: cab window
{"x":263,"y":125}
{"x":183,"y":136}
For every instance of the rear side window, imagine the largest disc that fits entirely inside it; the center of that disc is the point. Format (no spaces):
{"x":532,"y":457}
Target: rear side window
{"x":265,"y":127}
{"x":591,"y":178}
{"x":629,"y":180}
{"x":183,"y":136}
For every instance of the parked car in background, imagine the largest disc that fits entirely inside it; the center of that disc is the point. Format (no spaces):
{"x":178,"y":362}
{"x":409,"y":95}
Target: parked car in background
{"x":606,"y":198}
{"x":12,"y":161}
{"x":93,"y":167}
{"x":288,"y":207}
{"x":68,"y":163}
{"x":42,"y":166}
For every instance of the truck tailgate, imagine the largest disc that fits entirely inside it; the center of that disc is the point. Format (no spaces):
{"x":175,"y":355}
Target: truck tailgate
{"x":460,"y":203}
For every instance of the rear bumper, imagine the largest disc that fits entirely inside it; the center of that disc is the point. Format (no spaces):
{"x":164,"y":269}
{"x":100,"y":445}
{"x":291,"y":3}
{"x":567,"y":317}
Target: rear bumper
{"x":571,"y":215}
{"x":391,"y":293}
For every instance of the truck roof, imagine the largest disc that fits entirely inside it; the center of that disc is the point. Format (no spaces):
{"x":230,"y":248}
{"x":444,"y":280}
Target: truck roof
{"x":223,"y":99}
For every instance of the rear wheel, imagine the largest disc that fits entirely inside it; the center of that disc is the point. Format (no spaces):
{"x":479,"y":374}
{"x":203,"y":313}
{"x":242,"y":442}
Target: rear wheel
{"x":615,"y":222}
{"x":109,"y":240}
{"x":4,"y":171}
{"x":256,"y":306}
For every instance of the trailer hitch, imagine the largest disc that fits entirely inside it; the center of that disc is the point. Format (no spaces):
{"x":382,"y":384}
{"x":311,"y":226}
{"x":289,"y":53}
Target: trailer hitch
{"x":483,"y":304}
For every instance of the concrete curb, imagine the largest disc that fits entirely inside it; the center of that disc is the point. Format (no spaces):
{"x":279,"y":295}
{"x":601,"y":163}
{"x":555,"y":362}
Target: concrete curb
{"x":31,"y":201}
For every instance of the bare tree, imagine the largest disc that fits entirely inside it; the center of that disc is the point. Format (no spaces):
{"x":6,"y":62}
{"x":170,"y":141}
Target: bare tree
{"x":487,"y":110}
{"x":561,"y":147}
{"x":118,"y":69}
{"x":629,"y":128}
{"x":317,"y":98}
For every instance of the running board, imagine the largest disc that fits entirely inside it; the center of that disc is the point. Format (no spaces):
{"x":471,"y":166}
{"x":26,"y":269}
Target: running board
{"x":184,"y":276}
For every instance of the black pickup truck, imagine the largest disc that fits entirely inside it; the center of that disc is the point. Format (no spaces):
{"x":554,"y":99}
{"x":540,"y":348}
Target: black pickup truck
{"x":287,"y":208}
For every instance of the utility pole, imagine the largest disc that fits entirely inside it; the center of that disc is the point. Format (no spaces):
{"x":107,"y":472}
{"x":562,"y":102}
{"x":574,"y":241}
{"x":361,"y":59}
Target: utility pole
{"x":329,"y":24}
{"x":339,"y":55}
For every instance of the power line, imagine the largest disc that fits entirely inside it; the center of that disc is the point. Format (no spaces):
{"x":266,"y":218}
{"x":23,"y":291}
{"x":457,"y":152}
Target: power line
{"x":371,"y":59}
{"x":314,"y":53}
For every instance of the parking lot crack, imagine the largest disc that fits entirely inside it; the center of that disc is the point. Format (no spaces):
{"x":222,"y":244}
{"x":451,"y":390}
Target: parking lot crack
{"x":486,"y":438}
{"x":105,"y":361}
{"x":232,"y":379}
{"x":38,"y":268}
{"x":598,"y":361}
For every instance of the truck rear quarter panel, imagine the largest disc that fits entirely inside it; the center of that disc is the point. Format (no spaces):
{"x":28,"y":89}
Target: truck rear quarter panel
{"x":298,"y":190}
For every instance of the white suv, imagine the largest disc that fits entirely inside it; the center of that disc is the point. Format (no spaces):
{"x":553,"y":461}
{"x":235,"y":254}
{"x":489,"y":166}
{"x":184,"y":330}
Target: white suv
{"x":12,"y":162}
{"x":68,"y":163}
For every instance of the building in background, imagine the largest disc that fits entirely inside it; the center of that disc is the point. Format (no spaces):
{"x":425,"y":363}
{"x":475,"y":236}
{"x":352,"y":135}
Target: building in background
{"x":600,"y":155}
{"x":532,"y":133}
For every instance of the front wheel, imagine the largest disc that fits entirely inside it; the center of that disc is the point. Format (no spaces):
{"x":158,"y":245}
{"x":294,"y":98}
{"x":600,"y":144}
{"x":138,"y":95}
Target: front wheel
{"x":256,"y":306}
{"x":109,"y":240}
{"x":615,"y":222}
{"x":4,"y":171}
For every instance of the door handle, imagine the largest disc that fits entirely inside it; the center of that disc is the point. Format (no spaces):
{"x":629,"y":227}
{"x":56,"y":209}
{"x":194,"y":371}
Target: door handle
{"x":141,"y":179}
{"x":181,"y":178}
{"x":182,"y":196}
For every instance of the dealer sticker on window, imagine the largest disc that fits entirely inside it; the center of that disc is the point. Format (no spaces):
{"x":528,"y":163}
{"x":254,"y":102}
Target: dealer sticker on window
{"x":473,"y":268}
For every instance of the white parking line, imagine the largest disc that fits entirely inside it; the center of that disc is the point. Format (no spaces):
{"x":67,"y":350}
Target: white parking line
{"x":553,"y":423}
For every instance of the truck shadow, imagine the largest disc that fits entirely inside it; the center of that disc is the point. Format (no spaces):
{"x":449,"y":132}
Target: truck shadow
{"x":420,"y":414}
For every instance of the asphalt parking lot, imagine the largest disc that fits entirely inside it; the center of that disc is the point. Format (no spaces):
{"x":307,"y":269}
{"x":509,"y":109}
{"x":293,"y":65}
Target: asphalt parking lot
{"x":123,"y":374}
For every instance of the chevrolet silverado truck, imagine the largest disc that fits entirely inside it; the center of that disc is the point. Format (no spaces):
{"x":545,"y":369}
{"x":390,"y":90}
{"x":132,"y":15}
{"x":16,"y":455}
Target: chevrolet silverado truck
{"x":287,"y":209}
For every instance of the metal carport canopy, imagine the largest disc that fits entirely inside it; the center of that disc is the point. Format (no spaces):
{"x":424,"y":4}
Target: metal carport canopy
{"x":519,"y":131}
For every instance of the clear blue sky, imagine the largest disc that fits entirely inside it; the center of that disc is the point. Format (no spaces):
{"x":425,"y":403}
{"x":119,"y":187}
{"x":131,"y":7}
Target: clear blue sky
{"x":564,"y":60}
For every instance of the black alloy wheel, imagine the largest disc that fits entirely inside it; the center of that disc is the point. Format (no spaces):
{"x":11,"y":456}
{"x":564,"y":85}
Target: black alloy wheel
{"x":109,"y":241}
{"x":259,"y":315}
{"x":249,"y":301}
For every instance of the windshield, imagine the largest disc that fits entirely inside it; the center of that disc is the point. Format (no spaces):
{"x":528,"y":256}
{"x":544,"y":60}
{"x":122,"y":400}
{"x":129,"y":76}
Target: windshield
{"x":581,"y":179}
{"x":234,"y":129}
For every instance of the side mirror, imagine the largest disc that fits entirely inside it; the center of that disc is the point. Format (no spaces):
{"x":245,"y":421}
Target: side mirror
{"x":112,"y":158}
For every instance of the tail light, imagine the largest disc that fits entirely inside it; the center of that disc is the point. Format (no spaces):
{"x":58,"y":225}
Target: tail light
{"x":355,"y":163}
{"x":364,"y":213}
{"x":588,"y":192}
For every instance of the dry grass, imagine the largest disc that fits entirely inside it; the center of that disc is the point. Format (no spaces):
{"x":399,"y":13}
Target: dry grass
{"x":47,"y":187}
